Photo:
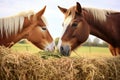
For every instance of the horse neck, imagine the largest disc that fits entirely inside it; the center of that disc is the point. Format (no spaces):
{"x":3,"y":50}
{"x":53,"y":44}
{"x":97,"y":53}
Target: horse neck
{"x":97,"y":28}
{"x":24,"y":31}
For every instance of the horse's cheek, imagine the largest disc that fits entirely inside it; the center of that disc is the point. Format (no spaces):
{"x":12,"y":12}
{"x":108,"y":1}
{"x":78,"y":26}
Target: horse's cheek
{"x":82,"y":35}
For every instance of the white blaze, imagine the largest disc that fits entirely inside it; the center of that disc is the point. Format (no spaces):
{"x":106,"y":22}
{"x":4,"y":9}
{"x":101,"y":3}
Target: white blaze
{"x":65,"y":25}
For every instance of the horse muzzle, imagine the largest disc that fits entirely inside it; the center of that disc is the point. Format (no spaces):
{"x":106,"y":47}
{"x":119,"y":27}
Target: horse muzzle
{"x":50,"y":47}
{"x":65,"y":50}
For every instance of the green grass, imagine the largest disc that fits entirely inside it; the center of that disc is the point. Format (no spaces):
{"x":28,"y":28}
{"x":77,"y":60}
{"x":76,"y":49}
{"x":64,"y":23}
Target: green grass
{"x":25,"y":47}
{"x":91,"y":51}
{"x":81,"y":51}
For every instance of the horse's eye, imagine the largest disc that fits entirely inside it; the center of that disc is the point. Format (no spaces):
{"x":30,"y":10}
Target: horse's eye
{"x":74,"y":24}
{"x":44,"y":28}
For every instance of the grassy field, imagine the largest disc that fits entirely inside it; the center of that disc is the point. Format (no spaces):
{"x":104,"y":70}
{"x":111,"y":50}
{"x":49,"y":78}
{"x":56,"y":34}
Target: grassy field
{"x":79,"y":52}
{"x":91,"y":52}
{"x":25,"y":48}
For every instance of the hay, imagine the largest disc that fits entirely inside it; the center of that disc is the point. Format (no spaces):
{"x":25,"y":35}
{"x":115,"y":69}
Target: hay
{"x":26,"y":66}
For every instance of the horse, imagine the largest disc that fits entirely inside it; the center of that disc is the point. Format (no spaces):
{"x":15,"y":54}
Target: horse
{"x":26,"y":25}
{"x":79,"y":22}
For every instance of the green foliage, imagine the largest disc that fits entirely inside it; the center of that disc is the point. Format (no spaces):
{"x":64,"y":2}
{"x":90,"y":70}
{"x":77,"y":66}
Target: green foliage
{"x":95,"y":44}
{"x":56,"y":41}
{"x":46,"y":54}
{"x":23,"y":41}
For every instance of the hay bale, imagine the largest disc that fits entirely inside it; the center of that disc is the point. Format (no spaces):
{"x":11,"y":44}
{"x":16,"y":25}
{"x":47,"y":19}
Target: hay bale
{"x":26,"y":66}
{"x":97,"y":68}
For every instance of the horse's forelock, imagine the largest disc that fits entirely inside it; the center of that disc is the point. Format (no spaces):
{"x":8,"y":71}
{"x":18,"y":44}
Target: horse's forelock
{"x":44,"y":20}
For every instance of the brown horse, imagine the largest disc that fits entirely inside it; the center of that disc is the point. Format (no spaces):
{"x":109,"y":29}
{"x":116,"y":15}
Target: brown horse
{"x":80,"y":22}
{"x":26,"y":25}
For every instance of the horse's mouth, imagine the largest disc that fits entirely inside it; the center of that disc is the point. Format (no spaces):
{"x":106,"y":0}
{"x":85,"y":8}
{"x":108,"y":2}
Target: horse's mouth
{"x":50,"y":47}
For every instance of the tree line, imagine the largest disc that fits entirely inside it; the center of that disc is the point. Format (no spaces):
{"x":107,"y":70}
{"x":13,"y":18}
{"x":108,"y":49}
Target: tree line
{"x":96,"y":42}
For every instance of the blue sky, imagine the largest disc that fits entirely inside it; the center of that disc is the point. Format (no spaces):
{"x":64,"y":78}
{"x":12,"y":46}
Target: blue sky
{"x":53,"y":15}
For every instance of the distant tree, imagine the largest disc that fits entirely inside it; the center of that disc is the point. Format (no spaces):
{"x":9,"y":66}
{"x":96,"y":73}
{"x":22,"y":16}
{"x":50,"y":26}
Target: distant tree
{"x":104,"y":44}
{"x":23,"y":41}
{"x":56,"y":41}
{"x":88,"y":42}
{"x":96,"y":41}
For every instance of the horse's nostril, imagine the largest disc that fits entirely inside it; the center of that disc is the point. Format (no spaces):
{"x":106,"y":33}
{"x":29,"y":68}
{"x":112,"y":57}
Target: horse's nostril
{"x":65,"y":50}
{"x":61,"y":48}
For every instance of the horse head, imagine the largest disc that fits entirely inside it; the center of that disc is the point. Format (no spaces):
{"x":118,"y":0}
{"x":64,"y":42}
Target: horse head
{"x":75,"y":29}
{"x":39,"y":34}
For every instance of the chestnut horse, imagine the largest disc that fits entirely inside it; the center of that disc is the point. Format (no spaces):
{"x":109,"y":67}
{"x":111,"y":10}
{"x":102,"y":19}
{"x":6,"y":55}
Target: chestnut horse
{"x":80,"y":22}
{"x":28,"y":26}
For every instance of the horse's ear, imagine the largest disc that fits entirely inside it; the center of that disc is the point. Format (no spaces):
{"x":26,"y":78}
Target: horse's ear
{"x":78,"y":7}
{"x":62,"y":9}
{"x":41,"y":12}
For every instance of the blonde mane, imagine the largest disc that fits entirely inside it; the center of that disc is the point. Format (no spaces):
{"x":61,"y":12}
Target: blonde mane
{"x":44,"y":20}
{"x":11,"y":25}
{"x":99,"y":14}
